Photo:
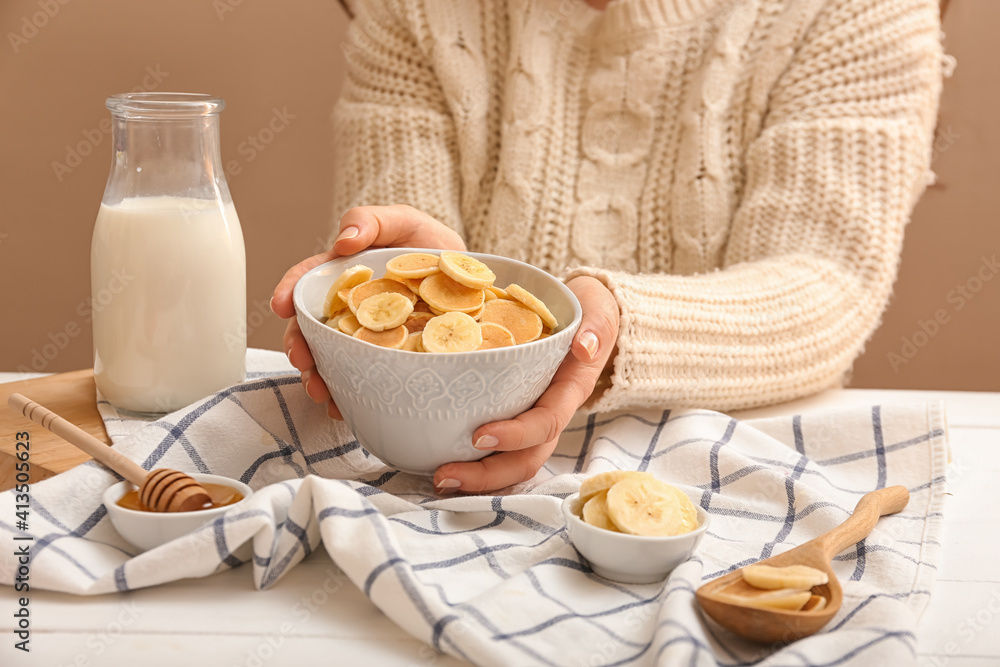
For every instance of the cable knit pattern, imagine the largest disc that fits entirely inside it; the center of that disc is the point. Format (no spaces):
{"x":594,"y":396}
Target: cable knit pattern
{"x":737,"y":172}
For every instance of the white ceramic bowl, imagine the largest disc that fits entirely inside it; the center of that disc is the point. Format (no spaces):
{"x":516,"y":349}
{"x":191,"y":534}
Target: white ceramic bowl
{"x":631,"y":559}
{"x":147,"y":530}
{"x":416,"y":411}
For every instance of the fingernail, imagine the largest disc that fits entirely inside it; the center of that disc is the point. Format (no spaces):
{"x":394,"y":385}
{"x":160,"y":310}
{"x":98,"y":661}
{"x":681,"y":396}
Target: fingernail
{"x":288,"y":353}
{"x":348,"y":233}
{"x":589,"y":342}
{"x":449,"y":483}
{"x":270,"y":304}
{"x":487,"y":442}
{"x":306,"y":377}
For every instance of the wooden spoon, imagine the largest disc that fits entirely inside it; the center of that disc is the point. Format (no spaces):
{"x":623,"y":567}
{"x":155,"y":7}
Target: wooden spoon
{"x":777,"y":625}
{"x":162,"y":490}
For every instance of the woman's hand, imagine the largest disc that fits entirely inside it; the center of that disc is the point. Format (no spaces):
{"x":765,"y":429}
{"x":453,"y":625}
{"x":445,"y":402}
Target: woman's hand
{"x":360,"y":228}
{"x":526,"y":442}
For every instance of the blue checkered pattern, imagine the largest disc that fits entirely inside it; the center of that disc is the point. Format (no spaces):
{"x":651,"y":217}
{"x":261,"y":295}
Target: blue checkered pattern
{"x":494,"y":579}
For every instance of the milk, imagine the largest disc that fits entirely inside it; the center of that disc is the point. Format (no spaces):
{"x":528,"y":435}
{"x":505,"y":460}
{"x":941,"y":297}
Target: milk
{"x":168,"y":287}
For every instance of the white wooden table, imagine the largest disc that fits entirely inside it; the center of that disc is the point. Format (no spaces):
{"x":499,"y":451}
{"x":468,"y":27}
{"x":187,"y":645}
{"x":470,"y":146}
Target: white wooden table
{"x":316,"y":615}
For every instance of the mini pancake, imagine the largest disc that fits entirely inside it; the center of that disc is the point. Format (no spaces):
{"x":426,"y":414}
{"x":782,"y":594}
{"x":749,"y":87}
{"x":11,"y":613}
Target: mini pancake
{"x":417,"y":321}
{"x":495,"y":336}
{"x":413,"y":265}
{"x":520,"y":320}
{"x":446,"y":295}
{"x":412,"y":342}
{"x":391,"y":338}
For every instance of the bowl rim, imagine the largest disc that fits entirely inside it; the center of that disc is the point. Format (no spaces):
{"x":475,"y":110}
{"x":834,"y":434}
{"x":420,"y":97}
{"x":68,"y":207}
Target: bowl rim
{"x":704,"y":519}
{"x":571,"y":327}
{"x":113,"y":506}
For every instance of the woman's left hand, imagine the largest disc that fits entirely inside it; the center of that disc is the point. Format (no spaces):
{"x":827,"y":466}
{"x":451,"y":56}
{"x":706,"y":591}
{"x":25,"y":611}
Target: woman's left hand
{"x":524,"y":443}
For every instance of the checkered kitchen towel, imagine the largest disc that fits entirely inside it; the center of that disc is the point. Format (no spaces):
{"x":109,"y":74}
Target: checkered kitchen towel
{"x":493,"y":579}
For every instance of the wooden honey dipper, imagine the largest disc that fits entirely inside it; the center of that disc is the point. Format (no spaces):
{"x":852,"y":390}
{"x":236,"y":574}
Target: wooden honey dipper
{"x":162,"y":490}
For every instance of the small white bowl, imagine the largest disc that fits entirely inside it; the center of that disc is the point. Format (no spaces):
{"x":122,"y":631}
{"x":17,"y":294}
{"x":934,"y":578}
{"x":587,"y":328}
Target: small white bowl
{"x":630,"y":559}
{"x":416,"y":411}
{"x":147,"y":530}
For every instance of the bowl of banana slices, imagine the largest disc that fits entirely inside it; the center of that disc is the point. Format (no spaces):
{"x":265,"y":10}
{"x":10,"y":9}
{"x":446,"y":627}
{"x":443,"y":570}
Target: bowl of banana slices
{"x":632,"y":527}
{"x":420,"y":347}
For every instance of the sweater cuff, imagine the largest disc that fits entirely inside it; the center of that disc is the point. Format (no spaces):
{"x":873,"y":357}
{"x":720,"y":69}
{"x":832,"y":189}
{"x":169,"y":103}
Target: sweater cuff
{"x":755,"y":334}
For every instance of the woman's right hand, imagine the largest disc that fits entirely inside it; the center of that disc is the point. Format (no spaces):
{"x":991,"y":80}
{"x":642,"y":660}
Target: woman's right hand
{"x":362,"y":227}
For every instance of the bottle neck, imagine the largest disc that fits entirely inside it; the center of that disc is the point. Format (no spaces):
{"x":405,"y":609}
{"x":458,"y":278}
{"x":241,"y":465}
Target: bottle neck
{"x":177,"y":156}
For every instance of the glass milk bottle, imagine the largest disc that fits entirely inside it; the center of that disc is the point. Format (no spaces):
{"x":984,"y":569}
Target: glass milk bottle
{"x":167,"y":263}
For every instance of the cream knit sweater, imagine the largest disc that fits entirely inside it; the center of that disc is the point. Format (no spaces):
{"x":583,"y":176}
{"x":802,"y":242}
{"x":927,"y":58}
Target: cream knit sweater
{"x":737,"y":172}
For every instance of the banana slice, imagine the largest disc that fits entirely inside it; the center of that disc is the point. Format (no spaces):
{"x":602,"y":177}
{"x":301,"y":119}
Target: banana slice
{"x":392,"y":276}
{"x":499,"y":292}
{"x":787,"y":599}
{"x":387,"y":310}
{"x":420,"y":342}
{"x":379,"y":286}
{"x":349,"y":324}
{"x":595,"y":512}
{"x":452,"y":332}
{"x":520,"y":320}
{"x":605,"y":480}
{"x":335,"y":318}
{"x":413,"y":265}
{"x":533,"y":302}
{"x":391,"y":338}
{"x":466,"y":270}
{"x":351,"y":277}
{"x":416,"y":322}
{"x":815,"y":603}
{"x":446,"y":295}
{"x":495,"y":335}
{"x":650,"y":507}
{"x":799,"y":577}
{"x":412,"y":343}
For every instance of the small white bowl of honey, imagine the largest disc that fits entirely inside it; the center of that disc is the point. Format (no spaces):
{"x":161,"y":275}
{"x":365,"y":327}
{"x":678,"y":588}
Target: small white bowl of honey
{"x":146,"y":529}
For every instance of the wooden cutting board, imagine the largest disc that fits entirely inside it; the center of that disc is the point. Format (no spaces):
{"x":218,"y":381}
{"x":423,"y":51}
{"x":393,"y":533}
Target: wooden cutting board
{"x":70,"y":395}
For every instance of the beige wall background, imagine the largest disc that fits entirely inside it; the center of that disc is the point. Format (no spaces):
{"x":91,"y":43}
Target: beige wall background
{"x":60,"y":58}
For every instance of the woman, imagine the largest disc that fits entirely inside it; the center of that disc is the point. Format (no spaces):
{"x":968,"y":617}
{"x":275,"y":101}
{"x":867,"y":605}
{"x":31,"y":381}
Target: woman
{"x":723,"y":183}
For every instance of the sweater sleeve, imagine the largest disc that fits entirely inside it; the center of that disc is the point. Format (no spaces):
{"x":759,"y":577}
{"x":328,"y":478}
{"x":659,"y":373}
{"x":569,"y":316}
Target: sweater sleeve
{"x":394,"y":137}
{"x":842,"y":156}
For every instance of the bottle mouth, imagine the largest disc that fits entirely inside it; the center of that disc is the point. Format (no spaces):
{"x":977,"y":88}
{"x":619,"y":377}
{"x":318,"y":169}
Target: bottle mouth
{"x":161,"y":106}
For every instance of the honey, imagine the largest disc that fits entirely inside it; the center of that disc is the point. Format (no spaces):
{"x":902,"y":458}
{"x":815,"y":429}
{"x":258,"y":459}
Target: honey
{"x":221,"y":495}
